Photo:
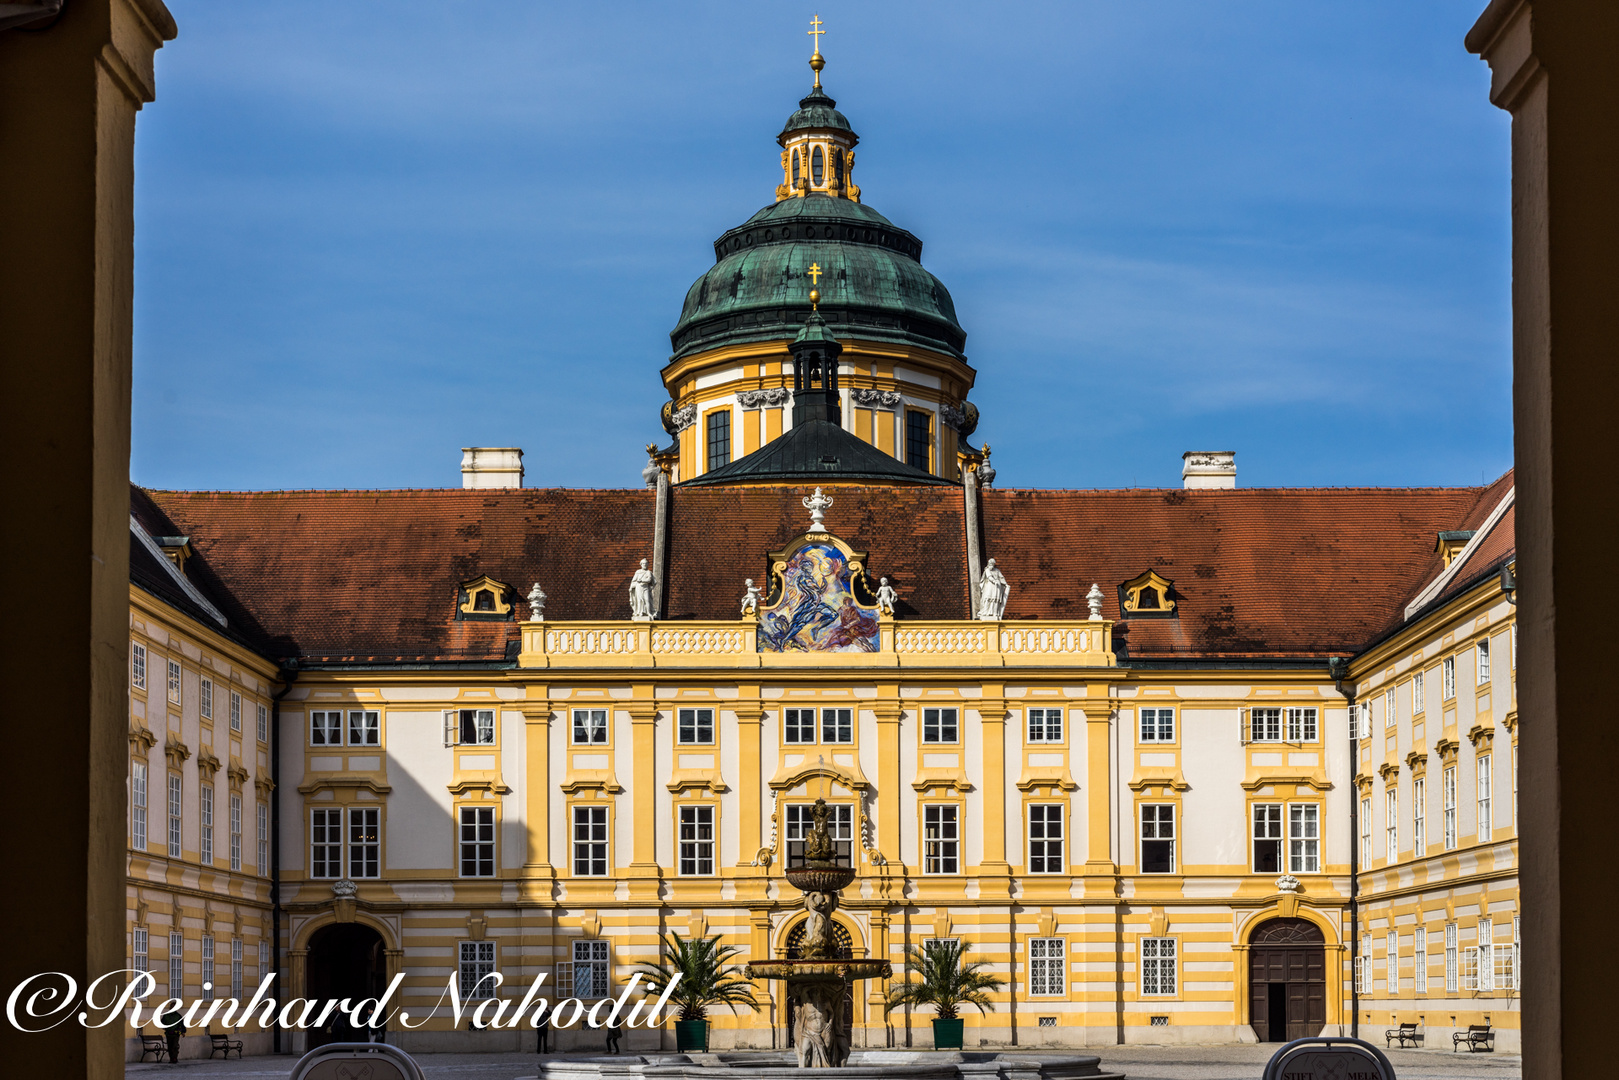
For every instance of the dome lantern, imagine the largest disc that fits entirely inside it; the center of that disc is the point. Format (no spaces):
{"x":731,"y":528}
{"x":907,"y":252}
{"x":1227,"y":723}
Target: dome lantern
{"x":817,"y":143}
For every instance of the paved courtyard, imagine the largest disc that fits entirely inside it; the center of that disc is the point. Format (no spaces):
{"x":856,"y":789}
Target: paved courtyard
{"x":1136,"y":1062}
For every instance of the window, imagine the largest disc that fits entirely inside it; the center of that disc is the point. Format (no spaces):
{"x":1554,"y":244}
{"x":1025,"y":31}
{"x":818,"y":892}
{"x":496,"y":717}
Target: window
{"x":1450,"y":808}
{"x":1157,"y":725}
{"x":1045,"y":725}
{"x":1448,"y":677}
{"x":1360,"y":721}
{"x":137,"y":806}
{"x":1512,"y":652}
{"x":263,"y":825}
{"x":264,"y":724}
{"x":1517,"y":953}
{"x":1482,"y":667}
{"x":1484,"y":956}
{"x":837,"y":725}
{"x":1157,"y":838}
{"x":794,"y":179}
{"x":1391,"y":828}
{"x":235,"y":831}
{"x":1418,"y":705}
{"x":177,"y":964}
{"x":174,"y":817}
{"x":939,"y":726}
{"x":1363,"y":965}
{"x":941,"y":840}
{"x":1157,"y":966}
{"x":483,"y":600}
{"x":1419,"y":962}
{"x":208,"y":967}
{"x":138,"y":950}
{"x":1450,"y":958}
{"x":590,"y":969}
{"x":235,"y":711}
{"x":1301,"y":725}
{"x":1045,"y":838}
{"x":365,"y":730}
{"x":839,"y":822}
{"x":697,"y":840}
{"x":918,"y":439}
{"x":174,"y":681}
{"x":1264,"y":725}
{"x":590,"y":726}
{"x":798,"y":725}
{"x":837,"y":166}
{"x":1365,"y":834}
{"x":325,"y":728}
{"x":478,"y":841}
{"x":236,"y":968}
{"x":137,"y":665}
{"x":1393,"y":971}
{"x":1485,"y":824}
{"x":817,"y":166}
{"x":1419,"y":823}
{"x":475,"y":727}
{"x":1304,"y":838}
{"x":1389,"y":716}
{"x":1267,"y":838}
{"x":365,"y":841}
{"x":264,"y":960}
{"x":697,"y":726}
{"x":719,"y":434}
{"x":590,"y":841}
{"x":473,"y":974}
{"x":1047,"y":957}
{"x":207,"y":810}
{"x":326,"y":843}
{"x":207,"y":705}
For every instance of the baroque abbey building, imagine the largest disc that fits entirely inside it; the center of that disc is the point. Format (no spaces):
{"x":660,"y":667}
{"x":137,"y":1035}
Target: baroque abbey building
{"x":1202,"y":764}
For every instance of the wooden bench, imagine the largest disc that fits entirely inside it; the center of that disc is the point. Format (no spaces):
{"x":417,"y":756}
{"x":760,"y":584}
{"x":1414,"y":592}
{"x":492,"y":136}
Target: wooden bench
{"x":1477,"y":1037}
{"x":1406,"y":1033}
{"x":154,"y":1044}
{"x":224,"y":1044}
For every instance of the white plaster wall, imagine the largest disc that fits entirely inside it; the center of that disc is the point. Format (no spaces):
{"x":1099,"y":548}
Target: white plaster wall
{"x":1214,"y":811}
{"x":514,"y":823}
{"x":662,"y":812}
{"x":1078,"y":767}
{"x":294,"y":822}
{"x":1012,"y":799}
{"x":419,"y":771}
{"x":909,"y":847}
{"x":1336,"y":841}
{"x":730,"y":763}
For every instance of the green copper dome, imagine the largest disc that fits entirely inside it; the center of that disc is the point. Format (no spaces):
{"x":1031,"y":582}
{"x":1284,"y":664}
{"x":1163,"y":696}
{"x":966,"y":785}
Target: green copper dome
{"x":873,"y":286}
{"x":817,"y":112}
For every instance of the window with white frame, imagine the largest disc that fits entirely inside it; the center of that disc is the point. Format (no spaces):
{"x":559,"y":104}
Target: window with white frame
{"x":1390,"y":714}
{"x":236,"y":968}
{"x":1418,"y":702}
{"x":797,"y":821}
{"x":365,"y":728}
{"x":1303,"y":838}
{"x":1512,"y":642}
{"x":1157,"y":725}
{"x":1482,"y":661}
{"x":206,"y":808}
{"x":1158,"y":838}
{"x":1045,"y":838}
{"x":325,"y":728}
{"x":590,"y":727}
{"x":1047,"y":960}
{"x":695,"y":727}
{"x":326,"y":843}
{"x":1158,"y":969}
{"x":235,"y":711}
{"x":1360,"y":721}
{"x":939,"y":726}
{"x":837,"y":725}
{"x":206,"y":704}
{"x":177,"y":964}
{"x":1449,"y":780}
{"x":1392,"y":969}
{"x":1486,"y":824}
{"x":263,"y":723}
{"x":262,"y":826}
{"x":207,"y":967}
{"x":1365,"y":961}
{"x":478,"y":841}
{"x":137,"y":805}
{"x":174,"y":681}
{"x":139,"y":959}
{"x":1302,"y":725}
{"x":941,"y":838}
{"x":474,"y":973}
{"x":1478,"y":970}
{"x":235,"y":831}
{"x":1517,"y":954}
{"x":590,"y":841}
{"x":475,"y":727}
{"x":1447,"y":677}
{"x":1391,"y":825}
{"x":1267,"y":838}
{"x":590,"y":969}
{"x":1365,"y":833}
{"x":1451,"y":980}
{"x":1419,"y":821}
{"x":1419,"y":961}
{"x":137,"y":665}
{"x":697,"y":840}
{"x":1265,"y":725}
{"x":1514,"y":784}
{"x":1045,"y":725}
{"x":798,"y":725}
{"x":174,"y":816}
{"x":365,"y":841}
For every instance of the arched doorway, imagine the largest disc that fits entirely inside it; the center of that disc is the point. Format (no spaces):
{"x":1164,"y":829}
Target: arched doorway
{"x":1287,"y":980}
{"x":346,"y":960}
{"x":842,"y":949}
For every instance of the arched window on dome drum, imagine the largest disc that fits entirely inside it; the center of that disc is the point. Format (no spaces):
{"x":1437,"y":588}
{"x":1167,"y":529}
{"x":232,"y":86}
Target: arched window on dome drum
{"x":817,"y":167}
{"x":837,"y":167}
{"x":794,"y":179}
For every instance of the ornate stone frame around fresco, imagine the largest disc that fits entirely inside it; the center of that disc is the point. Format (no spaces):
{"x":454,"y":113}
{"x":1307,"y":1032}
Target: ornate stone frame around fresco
{"x":860,"y":586}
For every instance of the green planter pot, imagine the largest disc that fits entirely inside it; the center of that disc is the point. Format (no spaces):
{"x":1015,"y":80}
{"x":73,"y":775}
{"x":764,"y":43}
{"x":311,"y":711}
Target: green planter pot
{"x":947,"y":1034}
{"x":693,"y":1035}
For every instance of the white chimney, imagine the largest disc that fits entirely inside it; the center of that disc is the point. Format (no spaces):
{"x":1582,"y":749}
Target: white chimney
{"x":1206,"y":469}
{"x":491,"y":467}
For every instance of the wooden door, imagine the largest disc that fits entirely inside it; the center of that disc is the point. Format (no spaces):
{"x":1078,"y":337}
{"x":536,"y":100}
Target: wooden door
{"x":1291,"y":954}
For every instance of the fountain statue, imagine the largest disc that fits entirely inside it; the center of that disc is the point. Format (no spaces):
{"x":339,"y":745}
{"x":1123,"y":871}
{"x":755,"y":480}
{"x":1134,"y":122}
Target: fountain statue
{"x":817,"y":979}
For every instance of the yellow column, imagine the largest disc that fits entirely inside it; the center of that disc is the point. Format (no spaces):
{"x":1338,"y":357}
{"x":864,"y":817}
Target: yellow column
{"x":537,"y":868}
{"x":992,"y":712}
{"x":890,"y":791}
{"x":644,"y":870}
{"x":1098,"y":802}
{"x":749,"y":725}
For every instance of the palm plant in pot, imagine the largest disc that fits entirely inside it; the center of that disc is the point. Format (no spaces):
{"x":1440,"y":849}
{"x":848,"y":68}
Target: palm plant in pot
{"x":699,"y":963}
{"x":945,"y":981}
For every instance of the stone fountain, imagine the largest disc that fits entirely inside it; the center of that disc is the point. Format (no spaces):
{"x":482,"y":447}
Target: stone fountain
{"x":817,"y":979}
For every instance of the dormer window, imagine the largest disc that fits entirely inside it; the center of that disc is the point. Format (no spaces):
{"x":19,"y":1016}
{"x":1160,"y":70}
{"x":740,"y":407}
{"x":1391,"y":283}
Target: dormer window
{"x":1148,"y":594}
{"x":1147,"y":599}
{"x":484,"y":598}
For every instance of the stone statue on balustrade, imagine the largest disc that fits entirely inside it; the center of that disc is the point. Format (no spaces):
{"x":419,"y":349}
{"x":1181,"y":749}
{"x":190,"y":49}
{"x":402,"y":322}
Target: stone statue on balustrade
{"x":886,"y":597}
{"x":641,"y":594}
{"x":750,"y":601}
{"x":992,"y":593}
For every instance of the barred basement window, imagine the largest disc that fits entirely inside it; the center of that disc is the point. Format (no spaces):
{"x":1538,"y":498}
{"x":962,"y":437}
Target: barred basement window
{"x":235,"y":711}
{"x":590,"y":841}
{"x":1157,"y":967}
{"x":1045,"y":725}
{"x":696,"y":727}
{"x":207,"y":852}
{"x":365,"y":842}
{"x":1304,"y":838}
{"x":589,"y":727}
{"x":941,"y":839}
{"x":174,"y":681}
{"x":174,"y":817}
{"x":1157,"y":725}
{"x":719,"y":438}
{"x":235,"y":832}
{"x":177,"y":964}
{"x":1047,"y":962}
{"x":474,"y":973}
{"x":478,"y":841}
{"x":1157,"y":838}
{"x":939,"y":726}
{"x":137,"y":666}
{"x":208,"y":967}
{"x":137,"y":800}
{"x":138,"y":960}
{"x":1267,"y":838}
{"x":696,"y":840}
{"x":207,"y":704}
{"x":326,"y":843}
{"x":590,"y":969}
{"x":1045,"y":838}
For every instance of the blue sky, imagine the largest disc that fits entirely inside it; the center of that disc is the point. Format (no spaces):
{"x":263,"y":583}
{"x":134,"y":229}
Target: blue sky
{"x":371,"y":234}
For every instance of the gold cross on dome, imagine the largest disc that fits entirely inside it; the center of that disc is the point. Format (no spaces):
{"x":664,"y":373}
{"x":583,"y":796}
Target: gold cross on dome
{"x":815,"y":32}
{"x":814,"y":273}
